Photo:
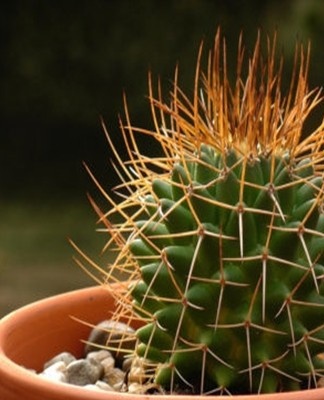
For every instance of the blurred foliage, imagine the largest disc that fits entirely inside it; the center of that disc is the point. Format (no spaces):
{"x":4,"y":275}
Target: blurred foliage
{"x":35,"y":255}
{"x":66,"y":63}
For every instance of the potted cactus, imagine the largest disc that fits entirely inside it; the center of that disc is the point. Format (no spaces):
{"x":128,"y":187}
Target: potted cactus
{"x":223,"y":235}
{"x":221,"y":238}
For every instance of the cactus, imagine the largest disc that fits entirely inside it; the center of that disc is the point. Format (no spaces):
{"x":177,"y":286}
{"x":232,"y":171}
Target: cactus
{"x":222,"y":236}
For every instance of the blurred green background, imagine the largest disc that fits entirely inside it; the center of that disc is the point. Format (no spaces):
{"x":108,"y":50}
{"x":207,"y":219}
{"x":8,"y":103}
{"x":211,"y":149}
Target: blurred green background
{"x":65,"y":63}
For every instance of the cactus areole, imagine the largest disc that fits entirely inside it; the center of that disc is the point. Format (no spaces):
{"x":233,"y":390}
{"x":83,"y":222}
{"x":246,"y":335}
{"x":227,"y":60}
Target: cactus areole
{"x":222,"y":236}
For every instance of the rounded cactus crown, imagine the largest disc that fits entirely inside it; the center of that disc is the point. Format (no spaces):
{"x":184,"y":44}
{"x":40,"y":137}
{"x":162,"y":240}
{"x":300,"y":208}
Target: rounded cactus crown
{"x":221,"y":238}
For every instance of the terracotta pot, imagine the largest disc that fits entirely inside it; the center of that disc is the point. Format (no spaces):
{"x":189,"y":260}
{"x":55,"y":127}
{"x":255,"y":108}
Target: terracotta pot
{"x":35,"y":333}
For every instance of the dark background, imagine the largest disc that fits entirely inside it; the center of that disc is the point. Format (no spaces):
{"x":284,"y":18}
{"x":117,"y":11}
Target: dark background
{"x":64,"y":64}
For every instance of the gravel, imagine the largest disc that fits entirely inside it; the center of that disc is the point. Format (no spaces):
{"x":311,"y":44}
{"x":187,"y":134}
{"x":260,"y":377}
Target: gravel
{"x":101,"y":369}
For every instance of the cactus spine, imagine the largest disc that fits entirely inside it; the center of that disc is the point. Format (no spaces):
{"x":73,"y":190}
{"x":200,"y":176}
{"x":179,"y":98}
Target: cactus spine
{"x":222,"y":236}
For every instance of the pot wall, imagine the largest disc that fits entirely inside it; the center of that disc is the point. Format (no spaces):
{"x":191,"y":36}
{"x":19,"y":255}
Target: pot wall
{"x":35,"y":333}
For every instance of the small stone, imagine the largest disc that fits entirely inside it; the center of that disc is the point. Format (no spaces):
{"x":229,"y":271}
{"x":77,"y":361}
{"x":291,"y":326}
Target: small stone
{"x":137,"y":372}
{"x":99,"y":386}
{"x":66,"y":357}
{"x":104,"y":386}
{"x":92,"y":386}
{"x":108,"y":365}
{"x":56,"y":372}
{"x":99,"y":355}
{"x":83,"y":372}
{"x":112,"y":334}
{"x":136,"y":388}
{"x":116,"y":379}
{"x":127,"y":364}
{"x":137,"y":375}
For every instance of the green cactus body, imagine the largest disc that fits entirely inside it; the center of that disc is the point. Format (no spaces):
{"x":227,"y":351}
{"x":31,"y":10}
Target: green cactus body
{"x":223,"y":235}
{"x":238,"y":298}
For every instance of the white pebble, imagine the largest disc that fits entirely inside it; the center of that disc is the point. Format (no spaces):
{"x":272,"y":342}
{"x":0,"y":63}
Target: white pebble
{"x":100,"y":385}
{"x":56,"y":372}
{"x":104,"y":386}
{"x":115,"y":379}
{"x":137,"y":371}
{"x":99,"y":355}
{"x":92,"y":386}
{"x":136,"y":388}
{"x":66,"y":357}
